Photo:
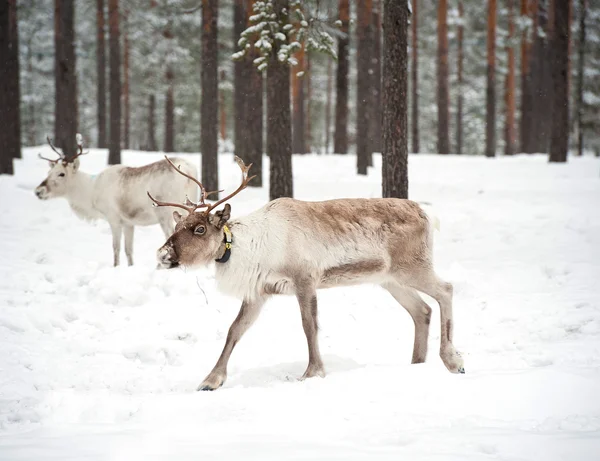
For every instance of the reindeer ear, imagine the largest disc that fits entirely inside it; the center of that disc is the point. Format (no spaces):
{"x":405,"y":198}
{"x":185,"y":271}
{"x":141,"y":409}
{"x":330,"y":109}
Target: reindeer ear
{"x":177,"y":216}
{"x":220,"y":218}
{"x":75,"y":164}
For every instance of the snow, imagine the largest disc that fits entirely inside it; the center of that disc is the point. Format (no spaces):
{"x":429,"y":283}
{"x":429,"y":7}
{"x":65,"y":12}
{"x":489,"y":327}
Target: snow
{"x":101,"y":363}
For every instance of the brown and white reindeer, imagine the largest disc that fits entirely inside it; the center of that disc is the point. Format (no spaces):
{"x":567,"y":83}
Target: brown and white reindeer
{"x":117,"y":194}
{"x":295,"y":247}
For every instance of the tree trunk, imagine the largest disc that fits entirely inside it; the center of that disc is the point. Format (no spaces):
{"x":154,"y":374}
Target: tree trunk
{"x":126,"y":107}
{"x":375,"y":115}
{"x":114,"y":149}
{"x":328,"y":105}
{"x":65,"y":122}
{"x":526,"y":112}
{"x":170,"y":111}
{"x":559,"y":142}
{"x":253,"y":114}
{"x":308,"y":118}
{"x":279,"y":128}
{"x":7,"y":140}
{"x":363,"y":84}
{"x":415,"y":77}
{"x":152,"y":146}
{"x":14,"y":93}
{"x":490,"y":116}
{"x":209,"y":109}
{"x":395,"y":107}
{"x":442,"y":79}
{"x":298,"y":114}
{"x":580,"y":70}
{"x":222,"y":115}
{"x":240,"y":87}
{"x":459,"y":83}
{"x":340,"y":140}
{"x":31,"y":127}
{"x":101,"y":73}
{"x":509,"y":130}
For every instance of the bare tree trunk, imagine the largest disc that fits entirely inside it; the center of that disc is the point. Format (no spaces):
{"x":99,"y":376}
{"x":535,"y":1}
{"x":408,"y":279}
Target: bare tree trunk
{"x":170,"y":111}
{"x":240,"y":87}
{"x":328,"y":105}
{"x":209,"y":109}
{"x":363,"y":84}
{"x":375,"y":115}
{"x":31,"y":128}
{"x":340,"y":139}
{"x":395,"y":107}
{"x":559,"y":143}
{"x":509,"y":130}
{"x":442,"y":79}
{"x":526,"y":110}
{"x":101,"y":73}
{"x":14,"y":94}
{"x":490,"y":119}
{"x":308,"y":118}
{"x":279,"y":125}
{"x":222,"y":115}
{"x":65,"y":123}
{"x":7,"y":141}
{"x":415,"y":77}
{"x":459,"y":83}
{"x":580,"y":70}
{"x":298,"y":114}
{"x":126,"y":106}
{"x":114,"y":150}
{"x":152,"y":146}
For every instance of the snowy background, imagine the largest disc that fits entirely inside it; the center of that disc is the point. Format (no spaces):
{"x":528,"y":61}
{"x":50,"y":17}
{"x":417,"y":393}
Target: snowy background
{"x":102,"y":363}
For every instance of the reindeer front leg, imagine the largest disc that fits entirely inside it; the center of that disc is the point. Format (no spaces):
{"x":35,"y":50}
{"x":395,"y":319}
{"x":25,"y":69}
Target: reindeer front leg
{"x":244,"y":320}
{"x":307,"y":298}
{"x":116,"y":229}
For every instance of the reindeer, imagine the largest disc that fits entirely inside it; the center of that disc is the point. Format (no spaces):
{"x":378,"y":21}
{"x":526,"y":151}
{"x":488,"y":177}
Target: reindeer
{"x":294,"y":247}
{"x":117,"y":194}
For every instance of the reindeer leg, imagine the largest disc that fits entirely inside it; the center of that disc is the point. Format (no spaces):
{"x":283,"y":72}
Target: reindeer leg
{"x":128,"y":233}
{"x":244,"y":320}
{"x":116,"y":229}
{"x":307,"y":298}
{"x":419,"y":311}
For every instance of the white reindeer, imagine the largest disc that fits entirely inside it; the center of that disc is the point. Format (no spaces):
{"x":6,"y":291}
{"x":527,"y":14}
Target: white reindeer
{"x":294,"y":247}
{"x":117,"y":194}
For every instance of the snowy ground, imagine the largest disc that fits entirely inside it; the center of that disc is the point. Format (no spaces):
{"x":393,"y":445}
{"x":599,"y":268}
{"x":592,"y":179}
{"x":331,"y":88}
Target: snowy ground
{"x":102,"y":363}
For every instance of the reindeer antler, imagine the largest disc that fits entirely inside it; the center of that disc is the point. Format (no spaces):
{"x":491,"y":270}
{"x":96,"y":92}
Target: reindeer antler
{"x":190,"y":206}
{"x":61,"y":156}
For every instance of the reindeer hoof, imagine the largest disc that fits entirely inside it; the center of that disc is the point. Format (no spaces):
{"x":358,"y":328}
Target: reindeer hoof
{"x":212,"y":382}
{"x":461,"y":370}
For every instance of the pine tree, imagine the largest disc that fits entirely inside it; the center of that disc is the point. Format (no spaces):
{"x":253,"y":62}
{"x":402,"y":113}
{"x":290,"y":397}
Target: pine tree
{"x":6,"y":140}
{"x":101,"y":73}
{"x":240,"y":90}
{"x":126,"y":106}
{"x":459,"y":80}
{"x":375,"y":71}
{"x":526,"y":98}
{"x":490,"y":117}
{"x":509,"y":130}
{"x":152,"y":146}
{"x":298,"y":103}
{"x":442,"y":79}
{"x":13,"y":125}
{"x":340,"y":140}
{"x":363,"y":84}
{"x":580,"y":73}
{"x":415,"y":77}
{"x":114,"y":150}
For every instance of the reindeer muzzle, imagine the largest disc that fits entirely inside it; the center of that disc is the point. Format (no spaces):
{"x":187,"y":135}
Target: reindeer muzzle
{"x":167,"y":257}
{"x":41,"y":191}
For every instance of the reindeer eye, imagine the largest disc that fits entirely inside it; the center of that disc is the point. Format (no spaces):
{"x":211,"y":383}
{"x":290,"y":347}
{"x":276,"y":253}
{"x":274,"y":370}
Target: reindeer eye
{"x":200,"y":230}
{"x":61,"y":174}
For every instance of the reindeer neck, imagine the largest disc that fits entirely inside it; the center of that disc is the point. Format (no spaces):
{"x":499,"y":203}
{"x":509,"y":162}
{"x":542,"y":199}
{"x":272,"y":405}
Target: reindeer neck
{"x":80,"y":195}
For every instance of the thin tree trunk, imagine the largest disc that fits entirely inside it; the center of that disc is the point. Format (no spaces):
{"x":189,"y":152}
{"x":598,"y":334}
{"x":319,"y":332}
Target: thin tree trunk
{"x":126,"y":106}
{"x":328,"y":105}
{"x":395,"y":107}
{"x":415,"y":77}
{"x":66,"y":84}
{"x":580,"y":70}
{"x":31,"y":127}
{"x":222,"y":114}
{"x":459,"y":83}
{"x":526,"y":112}
{"x":240,"y":86}
{"x":559,"y":143}
{"x":209,"y":109}
{"x":14,"y":120}
{"x":490,"y":128}
{"x":152,"y":146}
{"x":509,"y":130}
{"x":308,"y":118}
{"x":6,"y":138}
{"x":279,"y":125}
{"x":442,"y":79}
{"x":114,"y":150}
{"x":298,"y":114}
{"x":170,"y":111}
{"x":363,"y":84}
{"x":101,"y":73}
{"x":340,"y":140}
{"x":253,"y":113}
{"x":375,"y":116}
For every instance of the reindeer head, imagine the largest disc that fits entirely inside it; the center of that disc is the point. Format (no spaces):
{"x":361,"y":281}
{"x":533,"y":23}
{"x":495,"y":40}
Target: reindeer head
{"x":61,"y":171}
{"x":199,"y":236}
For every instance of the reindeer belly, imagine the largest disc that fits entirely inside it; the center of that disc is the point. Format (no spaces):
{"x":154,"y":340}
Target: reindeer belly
{"x":137,"y":214}
{"x":353,"y":273}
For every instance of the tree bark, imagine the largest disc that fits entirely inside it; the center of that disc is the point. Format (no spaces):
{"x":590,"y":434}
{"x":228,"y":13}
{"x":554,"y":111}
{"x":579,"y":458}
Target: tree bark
{"x":559,"y":142}
{"x":298,"y":113}
{"x":509,"y":130}
{"x":222,"y":114}
{"x":526,"y":110}
{"x":459,"y":83}
{"x":415,"y":77}
{"x":442,"y":79}
{"x":114,"y":149}
{"x":209,"y":109}
{"x":13,"y":124}
{"x":395,"y":108}
{"x":340,"y":140}
{"x":126,"y":107}
{"x":101,"y":73}
{"x":65,"y":122}
{"x":279,"y":128}
{"x":363,"y":84}
{"x":152,"y":146}
{"x":490,"y":116}
{"x":375,"y":115}
{"x":580,"y":70}
{"x":328,"y":105}
{"x":308,"y":119}
{"x":240,"y":87}
{"x":6,"y":139}
{"x":170,"y":111}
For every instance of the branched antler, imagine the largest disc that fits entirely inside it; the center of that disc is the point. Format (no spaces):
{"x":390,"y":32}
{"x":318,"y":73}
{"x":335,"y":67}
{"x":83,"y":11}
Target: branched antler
{"x":61,"y":156}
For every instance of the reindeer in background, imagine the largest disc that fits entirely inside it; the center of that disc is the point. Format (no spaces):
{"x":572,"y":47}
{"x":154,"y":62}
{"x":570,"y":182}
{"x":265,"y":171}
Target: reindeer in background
{"x":117,"y":194}
{"x":295,"y":247}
